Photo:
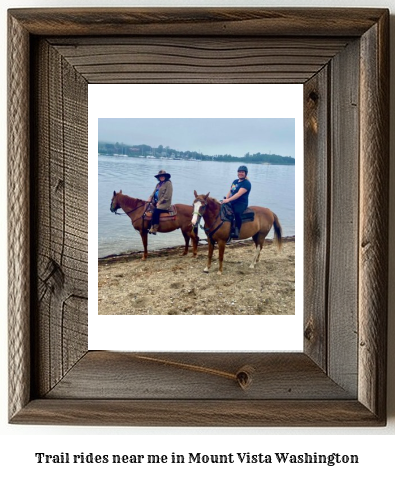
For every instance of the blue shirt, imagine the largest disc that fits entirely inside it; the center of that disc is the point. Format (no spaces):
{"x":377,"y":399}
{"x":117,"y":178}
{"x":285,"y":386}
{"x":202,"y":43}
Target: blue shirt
{"x":236,"y":185}
{"x":156,"y":194}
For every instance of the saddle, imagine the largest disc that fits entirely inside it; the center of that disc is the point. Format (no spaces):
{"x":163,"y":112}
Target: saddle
{"x":165,"y":216}
{"x":226,"y":214}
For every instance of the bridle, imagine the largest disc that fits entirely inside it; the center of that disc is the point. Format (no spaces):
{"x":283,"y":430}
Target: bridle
{"x":207,"y":230}
{"x":200,"y":214}
{"x":114,"y":210}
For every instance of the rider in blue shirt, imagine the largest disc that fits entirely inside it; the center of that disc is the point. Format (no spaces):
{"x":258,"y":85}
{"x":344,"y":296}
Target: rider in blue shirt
{"x":238,"y":197}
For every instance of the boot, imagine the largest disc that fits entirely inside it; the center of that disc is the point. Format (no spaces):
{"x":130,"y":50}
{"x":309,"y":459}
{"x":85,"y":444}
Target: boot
{"x":154,"y":229}
{"x":235,"y":233}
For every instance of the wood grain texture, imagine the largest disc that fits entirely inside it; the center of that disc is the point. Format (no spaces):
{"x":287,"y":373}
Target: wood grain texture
{"x":61,"y":200}
{"x":185,"y":60}
{"x":373,"y":228}
{"x":18,"y":218}
{"x":259,"y":22}
{"x":316,"y":214}
{"x":340,"y":377}
{"x":202,"y":413}
{"x":344,"y":216}
{"x":196,"y":376}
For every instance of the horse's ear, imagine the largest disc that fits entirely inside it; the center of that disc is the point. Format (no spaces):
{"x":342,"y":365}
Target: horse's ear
{"x":195,"y":193}
{"x":114,"y":194}
{"x":120,"y":192}
{"x":207,"y":195}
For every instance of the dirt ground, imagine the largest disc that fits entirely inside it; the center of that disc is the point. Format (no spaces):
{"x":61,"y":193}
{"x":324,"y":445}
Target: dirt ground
{"x":170,"y":284}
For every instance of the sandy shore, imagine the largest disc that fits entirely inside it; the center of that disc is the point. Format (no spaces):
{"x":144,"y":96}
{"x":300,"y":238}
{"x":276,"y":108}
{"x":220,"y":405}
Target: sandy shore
{"x":170,"y":284}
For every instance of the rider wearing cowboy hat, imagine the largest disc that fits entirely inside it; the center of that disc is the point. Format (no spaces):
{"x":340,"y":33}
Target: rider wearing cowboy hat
{"x":160,"y":198}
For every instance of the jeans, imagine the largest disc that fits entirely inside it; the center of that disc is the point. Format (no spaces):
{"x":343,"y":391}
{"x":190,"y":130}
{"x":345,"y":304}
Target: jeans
{"x":238,"y":210}
{"x":155,"y":216}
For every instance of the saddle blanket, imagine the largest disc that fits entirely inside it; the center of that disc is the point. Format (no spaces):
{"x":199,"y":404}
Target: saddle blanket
{"x":227,"y":214}
{"x":165,"y":216}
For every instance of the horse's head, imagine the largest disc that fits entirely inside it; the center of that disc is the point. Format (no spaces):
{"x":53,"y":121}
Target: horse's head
{"x":199,"y":207}
{"x":115,"y":205}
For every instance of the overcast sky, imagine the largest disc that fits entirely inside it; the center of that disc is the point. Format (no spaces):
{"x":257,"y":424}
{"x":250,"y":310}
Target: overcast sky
{"x":235,"y":136}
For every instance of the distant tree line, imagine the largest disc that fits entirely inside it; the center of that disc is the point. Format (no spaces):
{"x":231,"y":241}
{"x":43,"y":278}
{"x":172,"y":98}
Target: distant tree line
{"x":147,"y":151}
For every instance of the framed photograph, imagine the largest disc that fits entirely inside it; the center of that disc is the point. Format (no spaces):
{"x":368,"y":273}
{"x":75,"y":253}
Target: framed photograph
{"x":205,"y":152}
{"x":341,"y":59}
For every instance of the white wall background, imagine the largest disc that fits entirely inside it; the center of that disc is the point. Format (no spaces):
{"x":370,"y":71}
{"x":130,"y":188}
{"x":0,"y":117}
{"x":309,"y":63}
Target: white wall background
{"x":20,"y":443}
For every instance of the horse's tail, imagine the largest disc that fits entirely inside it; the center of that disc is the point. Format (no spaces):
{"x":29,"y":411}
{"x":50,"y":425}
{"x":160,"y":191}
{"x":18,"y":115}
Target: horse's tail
{"x":277,"y":231}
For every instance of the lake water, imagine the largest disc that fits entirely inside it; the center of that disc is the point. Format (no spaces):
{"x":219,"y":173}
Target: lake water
{"x":272,"y":186}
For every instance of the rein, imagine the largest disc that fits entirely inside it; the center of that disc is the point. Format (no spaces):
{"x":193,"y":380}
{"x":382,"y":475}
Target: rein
{"x":207,"y":229}
{"x":210,"y":233}
{"x":132,"y":210}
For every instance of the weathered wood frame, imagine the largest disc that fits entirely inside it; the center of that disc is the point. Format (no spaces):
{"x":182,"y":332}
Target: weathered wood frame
{"x":342,"y":58}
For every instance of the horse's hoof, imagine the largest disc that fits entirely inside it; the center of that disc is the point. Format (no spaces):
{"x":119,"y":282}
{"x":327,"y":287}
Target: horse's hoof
{"x":206,"y":270}
{"x":219,"y":273}
{"x":143,"y":258}
{"x":252,"y":266}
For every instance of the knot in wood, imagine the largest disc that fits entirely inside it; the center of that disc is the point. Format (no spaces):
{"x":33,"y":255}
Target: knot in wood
{"x":244,"y":376}
{"x":308,"y":331}
{"x":313,"y":96}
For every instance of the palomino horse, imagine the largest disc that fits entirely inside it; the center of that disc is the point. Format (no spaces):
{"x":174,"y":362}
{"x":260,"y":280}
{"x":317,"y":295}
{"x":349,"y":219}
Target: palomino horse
{"x":136,"y":208}
{"x":219,"y":231}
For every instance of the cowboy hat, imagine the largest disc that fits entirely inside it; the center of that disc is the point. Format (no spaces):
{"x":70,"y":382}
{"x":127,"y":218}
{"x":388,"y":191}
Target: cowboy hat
{"x":162,"y":172}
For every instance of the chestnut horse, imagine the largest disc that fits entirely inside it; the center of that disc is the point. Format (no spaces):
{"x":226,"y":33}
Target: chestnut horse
{"x":136,"y":208}
{"x":218,"y":230}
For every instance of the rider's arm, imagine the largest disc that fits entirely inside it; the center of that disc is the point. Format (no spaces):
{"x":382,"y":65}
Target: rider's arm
{"x":239,"y":193}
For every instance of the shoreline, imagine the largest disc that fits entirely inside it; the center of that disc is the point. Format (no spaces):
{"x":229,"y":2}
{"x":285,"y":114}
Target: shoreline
{"x":175,"y":250}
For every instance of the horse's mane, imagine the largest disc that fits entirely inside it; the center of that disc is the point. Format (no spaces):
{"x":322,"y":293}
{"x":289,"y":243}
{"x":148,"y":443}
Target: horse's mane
{"x":211,"y":199}
{"x":129,"y":199}
{"x":214,"y":200}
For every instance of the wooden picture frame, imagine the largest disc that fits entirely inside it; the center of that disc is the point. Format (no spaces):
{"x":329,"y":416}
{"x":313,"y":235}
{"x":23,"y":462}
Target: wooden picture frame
{"x":342,"y":58}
